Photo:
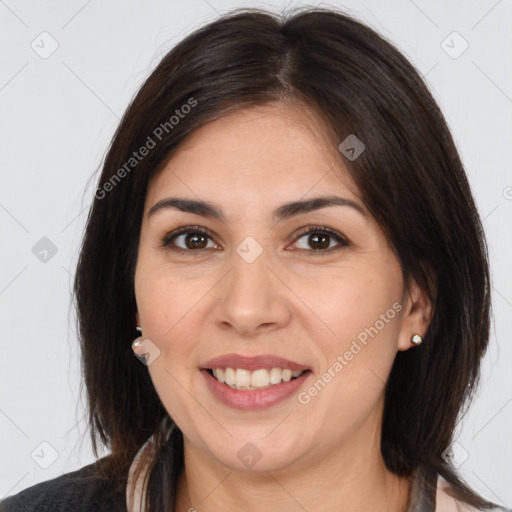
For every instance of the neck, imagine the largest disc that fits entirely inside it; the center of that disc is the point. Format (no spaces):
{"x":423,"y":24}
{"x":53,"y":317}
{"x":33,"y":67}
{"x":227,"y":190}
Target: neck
{"x":351,"y":479}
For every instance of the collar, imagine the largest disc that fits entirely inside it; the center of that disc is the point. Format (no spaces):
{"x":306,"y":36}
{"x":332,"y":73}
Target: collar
{"x":136,"y":490}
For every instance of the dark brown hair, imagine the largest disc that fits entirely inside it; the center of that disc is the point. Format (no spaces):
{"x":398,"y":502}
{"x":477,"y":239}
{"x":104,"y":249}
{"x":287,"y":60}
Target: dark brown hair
{"x":410,"y":177}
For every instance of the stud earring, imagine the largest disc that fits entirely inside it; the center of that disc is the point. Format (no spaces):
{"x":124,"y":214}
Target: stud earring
{"x":416,"y":339}
{"x":137,"y":341}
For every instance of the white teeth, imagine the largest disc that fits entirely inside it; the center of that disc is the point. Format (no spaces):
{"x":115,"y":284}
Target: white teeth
{"x":275,"y":375}
{"x":260,"y":379}
{"x":229,"y":376}
{"x":238,"y":378}
{"x":242,"y":378}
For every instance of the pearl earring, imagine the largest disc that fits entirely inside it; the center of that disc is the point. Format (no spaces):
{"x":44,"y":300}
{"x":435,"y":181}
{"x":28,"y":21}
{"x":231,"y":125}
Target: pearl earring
{"x":137,"y":341}
{"x":416,"y":339}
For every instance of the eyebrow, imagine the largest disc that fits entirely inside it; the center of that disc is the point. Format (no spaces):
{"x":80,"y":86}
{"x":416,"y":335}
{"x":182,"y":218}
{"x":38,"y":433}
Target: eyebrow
{"x":285,"y":211}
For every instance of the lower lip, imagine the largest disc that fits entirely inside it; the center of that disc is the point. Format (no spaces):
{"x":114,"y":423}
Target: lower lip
{"x":256,"y":398}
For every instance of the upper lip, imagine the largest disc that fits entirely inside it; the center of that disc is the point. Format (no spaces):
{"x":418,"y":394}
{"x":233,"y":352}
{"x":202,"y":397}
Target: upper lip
{"x":252,"y":362}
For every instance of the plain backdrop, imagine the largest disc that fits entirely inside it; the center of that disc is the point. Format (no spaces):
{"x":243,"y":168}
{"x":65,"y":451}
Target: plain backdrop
{"x":67,"y":72}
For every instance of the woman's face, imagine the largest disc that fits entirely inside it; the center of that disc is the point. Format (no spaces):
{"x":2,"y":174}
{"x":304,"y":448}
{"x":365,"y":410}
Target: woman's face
{"x":267,"y":280}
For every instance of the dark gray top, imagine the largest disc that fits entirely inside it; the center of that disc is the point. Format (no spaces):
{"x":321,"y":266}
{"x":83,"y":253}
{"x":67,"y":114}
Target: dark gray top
{"x":82,"y":490}
{"x":77,"y":491}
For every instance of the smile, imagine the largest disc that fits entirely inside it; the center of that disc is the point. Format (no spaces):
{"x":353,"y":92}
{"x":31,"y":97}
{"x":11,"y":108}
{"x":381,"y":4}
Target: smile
{"x":247,"y":380}
{"x":251,"y":397}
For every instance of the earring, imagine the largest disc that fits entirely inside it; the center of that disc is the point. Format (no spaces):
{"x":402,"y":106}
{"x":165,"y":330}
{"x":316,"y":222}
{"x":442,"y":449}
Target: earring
{"x":416,"y":339}
{"x":137,"y":341}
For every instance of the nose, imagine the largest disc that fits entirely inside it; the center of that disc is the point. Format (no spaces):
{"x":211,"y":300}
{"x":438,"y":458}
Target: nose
{"x":253,"y":298}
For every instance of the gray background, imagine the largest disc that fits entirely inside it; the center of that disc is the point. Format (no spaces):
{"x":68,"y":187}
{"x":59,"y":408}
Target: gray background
{"x":57,"y":115}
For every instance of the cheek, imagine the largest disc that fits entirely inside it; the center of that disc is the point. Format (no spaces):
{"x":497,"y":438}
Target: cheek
{"x":169,"y":310}
{"x":163,"y":302}
{"x":171,"y":318}
{"x":354,"y":302}
{"x":360,"y":309}
{"x":358,"y":350}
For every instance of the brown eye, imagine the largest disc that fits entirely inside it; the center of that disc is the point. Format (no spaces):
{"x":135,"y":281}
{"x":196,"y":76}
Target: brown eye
{"x":188,"y":239}
{"x":320,"y":240}
{"x":195,"y":241}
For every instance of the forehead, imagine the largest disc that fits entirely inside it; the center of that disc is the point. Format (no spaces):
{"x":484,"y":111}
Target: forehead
{"x":266,"y":152}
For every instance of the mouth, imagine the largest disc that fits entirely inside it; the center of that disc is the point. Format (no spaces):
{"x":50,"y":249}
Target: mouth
{"x":243,"y":395}
{"x":242,"y":379}
{"x":253,"y":382}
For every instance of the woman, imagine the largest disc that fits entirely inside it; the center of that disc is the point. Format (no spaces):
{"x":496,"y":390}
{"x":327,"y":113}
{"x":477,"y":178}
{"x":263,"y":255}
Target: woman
{"x":285,"y":227}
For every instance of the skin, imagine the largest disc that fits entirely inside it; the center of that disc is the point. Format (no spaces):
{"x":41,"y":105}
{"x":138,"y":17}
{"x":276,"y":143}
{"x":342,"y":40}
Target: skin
{"x":291,"y":302}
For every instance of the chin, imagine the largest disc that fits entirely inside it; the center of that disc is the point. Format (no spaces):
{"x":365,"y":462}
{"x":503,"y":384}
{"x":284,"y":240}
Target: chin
{"x":257,"y":453}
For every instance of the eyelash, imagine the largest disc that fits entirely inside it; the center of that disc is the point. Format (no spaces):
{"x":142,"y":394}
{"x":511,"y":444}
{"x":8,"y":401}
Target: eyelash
{"x":343,"y":242}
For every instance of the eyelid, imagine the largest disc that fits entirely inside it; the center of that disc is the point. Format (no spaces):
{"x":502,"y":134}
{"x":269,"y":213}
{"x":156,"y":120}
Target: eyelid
{"x":342,"y":241}
{"x":169,"y":237}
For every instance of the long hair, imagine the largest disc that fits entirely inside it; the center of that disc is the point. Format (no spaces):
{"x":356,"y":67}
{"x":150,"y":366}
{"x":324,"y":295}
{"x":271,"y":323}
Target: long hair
{"x":410,"y":177}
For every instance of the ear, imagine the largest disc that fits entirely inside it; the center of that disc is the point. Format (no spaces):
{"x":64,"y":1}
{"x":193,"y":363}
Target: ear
{"x":416,"y":317}
{"x":137,"y":319}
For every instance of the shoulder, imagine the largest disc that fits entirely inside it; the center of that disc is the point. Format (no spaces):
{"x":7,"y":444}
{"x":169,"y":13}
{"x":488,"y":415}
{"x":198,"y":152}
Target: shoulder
{"x":446,"y":503}
{"x":78,"y":490}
